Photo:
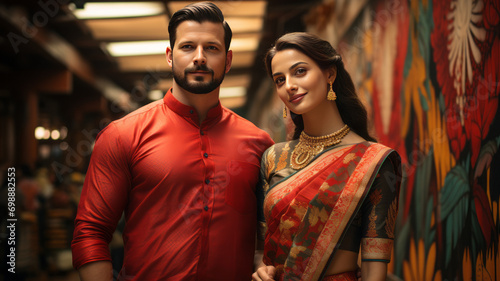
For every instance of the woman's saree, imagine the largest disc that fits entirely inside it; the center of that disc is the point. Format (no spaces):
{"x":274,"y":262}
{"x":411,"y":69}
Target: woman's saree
{"x":308,"y":212}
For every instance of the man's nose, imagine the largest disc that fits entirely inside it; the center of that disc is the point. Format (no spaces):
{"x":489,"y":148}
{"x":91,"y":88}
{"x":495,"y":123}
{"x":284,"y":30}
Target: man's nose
{"x":199,"y":57}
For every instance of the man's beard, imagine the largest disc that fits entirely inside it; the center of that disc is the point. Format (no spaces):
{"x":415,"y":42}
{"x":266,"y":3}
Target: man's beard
{"x":197,"y":87}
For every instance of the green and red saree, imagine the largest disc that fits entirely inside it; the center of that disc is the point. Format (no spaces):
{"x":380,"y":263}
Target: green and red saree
{"x":310,"y":212}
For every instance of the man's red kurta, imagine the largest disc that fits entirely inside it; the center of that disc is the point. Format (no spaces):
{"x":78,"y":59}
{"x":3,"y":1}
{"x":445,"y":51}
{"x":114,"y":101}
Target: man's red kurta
{"x":187,"y":190}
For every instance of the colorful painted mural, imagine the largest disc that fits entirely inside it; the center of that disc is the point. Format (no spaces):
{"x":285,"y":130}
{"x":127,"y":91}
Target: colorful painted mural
{"x":429,"y":72}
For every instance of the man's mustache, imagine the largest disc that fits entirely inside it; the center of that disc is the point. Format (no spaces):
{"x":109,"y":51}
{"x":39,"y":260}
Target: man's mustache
{"x":199,"y":68}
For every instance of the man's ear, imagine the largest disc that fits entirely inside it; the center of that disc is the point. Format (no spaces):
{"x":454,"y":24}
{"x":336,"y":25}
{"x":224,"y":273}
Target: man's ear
{"x":229,"y":60}
{"x":168,"y":54}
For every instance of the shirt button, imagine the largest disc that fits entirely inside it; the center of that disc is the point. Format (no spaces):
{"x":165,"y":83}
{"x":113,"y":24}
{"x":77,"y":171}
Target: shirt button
{"x":191,"y":111}
{"x":206,"y":208}
{"x":202,"y":133}
{"x":207,"y":181}
{"x":205,"y":155}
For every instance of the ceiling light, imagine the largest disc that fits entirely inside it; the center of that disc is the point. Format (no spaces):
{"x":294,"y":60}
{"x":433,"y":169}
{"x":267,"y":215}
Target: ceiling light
{"x":46,"y":134}
{"x":39,"y":132}
{"x":157,"y":47}
{"x":232,"y":92}
{"x":55,"y":134}
{"x":136,"y":48}
{"x":156,"y":94}
{"x":244,"y":44}
{"x":106,"y":10}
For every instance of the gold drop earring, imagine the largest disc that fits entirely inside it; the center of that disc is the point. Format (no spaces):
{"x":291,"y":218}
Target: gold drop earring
{"x":331,"y":94}
{"x":284,"y":112}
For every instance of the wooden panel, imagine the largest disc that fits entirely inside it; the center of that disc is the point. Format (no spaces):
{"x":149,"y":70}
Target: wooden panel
{"x":130,"y":29}
{"x":244,"y":25}
{"x":54,"y":82}
{"x":228,"y":8}
{"x":143,"y":63}
{"x":243,"y":59}
{"x":48,"y":81}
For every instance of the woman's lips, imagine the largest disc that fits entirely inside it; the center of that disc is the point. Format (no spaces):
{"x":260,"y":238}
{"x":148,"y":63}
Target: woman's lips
{"x":296,"y":98}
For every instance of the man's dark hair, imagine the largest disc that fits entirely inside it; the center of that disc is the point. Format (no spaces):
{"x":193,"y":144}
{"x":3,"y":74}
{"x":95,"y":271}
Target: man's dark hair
{"x":199,"y":12}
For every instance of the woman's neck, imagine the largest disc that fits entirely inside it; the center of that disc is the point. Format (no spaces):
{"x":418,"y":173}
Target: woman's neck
{"x":323,"y":120}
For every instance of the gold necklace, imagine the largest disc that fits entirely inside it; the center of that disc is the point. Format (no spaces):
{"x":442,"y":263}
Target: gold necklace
{"x":308,"y":146}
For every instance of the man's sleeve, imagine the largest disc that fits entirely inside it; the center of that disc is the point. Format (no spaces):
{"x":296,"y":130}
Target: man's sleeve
{"x":103,"y":198}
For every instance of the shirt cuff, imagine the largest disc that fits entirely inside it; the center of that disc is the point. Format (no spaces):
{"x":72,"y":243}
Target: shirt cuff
{"x":89,"y":251}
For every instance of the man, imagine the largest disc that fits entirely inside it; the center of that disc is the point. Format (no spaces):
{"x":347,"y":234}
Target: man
{"x":183,"y":169}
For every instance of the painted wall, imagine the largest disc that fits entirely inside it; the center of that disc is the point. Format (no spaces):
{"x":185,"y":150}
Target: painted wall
{"x":429,"y":73}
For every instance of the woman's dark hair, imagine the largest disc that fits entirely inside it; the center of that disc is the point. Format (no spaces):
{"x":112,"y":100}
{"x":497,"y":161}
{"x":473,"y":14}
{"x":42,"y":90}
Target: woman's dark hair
{"x":199,"y":12}
{"x":351,"y":110}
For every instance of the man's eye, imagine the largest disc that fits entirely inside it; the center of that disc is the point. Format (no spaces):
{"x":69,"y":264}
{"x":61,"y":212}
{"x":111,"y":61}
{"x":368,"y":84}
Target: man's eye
{"x":212,"y":48}
{"x":186,"y":47}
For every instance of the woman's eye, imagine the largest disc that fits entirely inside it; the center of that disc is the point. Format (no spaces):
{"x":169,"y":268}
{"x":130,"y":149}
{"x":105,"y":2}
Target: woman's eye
{"x":279,"y":80}
{"x":300,"y":71}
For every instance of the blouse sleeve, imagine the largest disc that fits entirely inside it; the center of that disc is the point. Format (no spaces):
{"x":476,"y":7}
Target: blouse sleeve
{"x":262,"y":187}
{"x":379,"y":212}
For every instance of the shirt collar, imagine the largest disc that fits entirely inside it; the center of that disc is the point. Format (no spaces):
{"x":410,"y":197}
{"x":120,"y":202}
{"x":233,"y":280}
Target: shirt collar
{"x":187,"y":111}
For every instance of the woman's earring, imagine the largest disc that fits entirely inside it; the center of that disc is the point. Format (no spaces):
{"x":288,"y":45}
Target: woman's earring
{"x":331,"y":94}
{"x":284,"y":112}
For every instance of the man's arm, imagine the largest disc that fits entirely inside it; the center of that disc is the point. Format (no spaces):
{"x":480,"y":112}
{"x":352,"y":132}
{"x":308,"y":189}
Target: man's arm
{"x":96,"y":271}
{"x":103,"y":199}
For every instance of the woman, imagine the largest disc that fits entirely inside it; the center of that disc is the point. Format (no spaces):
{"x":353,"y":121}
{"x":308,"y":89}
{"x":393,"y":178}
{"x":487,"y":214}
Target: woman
{"x":331,"y":190}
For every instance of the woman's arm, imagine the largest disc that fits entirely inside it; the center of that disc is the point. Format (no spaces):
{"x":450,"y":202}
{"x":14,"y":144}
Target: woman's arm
{"x":262,"y":272}
{"x":259,"y":253}
{"x":373,"y":271}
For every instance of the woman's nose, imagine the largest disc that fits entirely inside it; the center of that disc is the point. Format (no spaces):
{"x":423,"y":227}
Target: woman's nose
{"x":291,"y":87}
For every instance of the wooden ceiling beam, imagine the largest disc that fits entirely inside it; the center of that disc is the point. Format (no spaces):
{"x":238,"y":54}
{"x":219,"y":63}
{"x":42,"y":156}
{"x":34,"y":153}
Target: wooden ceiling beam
{"x":23,"y":32}
{"x":50,"y":43}
{"x":60,"y":82}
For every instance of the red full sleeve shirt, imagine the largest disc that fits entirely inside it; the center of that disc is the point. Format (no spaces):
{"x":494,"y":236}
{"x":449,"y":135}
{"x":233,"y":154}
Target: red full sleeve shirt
{"x":187,"y":192}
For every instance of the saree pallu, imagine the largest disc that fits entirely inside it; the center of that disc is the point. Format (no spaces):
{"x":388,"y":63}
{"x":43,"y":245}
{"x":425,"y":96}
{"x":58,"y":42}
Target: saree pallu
{"x":308,"y":212}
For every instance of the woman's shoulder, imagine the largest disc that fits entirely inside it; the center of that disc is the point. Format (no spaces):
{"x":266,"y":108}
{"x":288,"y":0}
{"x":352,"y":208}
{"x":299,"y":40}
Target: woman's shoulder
{"x":381,"y":147}
{"x":390,"y":160}
{"x":280,"y":147}
{"x":275,"y":158}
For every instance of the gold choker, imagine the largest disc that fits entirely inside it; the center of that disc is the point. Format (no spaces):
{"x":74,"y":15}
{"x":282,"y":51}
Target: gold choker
{"x":308,"y":146}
